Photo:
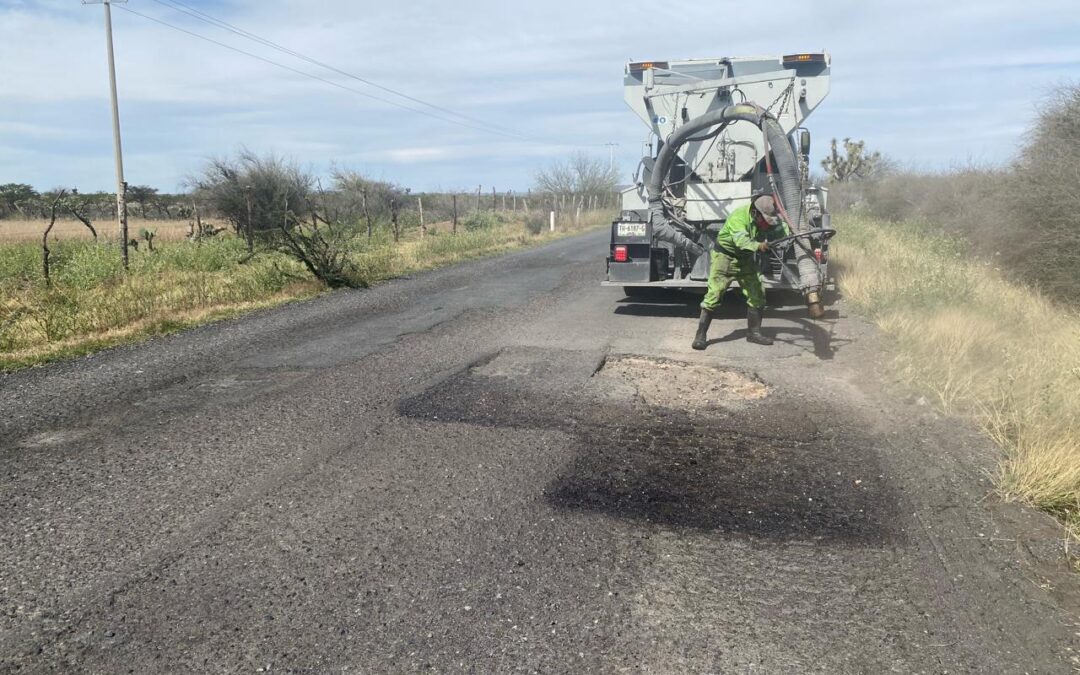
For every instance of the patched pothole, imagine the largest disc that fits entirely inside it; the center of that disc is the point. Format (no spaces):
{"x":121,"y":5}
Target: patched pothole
{"x":677,"y":384}
{"x":697,"y":448}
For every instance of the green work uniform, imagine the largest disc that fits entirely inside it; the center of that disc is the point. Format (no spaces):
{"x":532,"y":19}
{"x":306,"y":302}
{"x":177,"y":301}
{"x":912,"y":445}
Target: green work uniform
{"x":733,"y":259}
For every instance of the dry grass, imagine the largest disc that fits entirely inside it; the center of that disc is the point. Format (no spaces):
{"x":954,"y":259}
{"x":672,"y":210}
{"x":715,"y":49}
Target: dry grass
{"x":983,"y":347}
{"x":17,"y":231}
{"x":150,"y":324}
{"x":93,"y":304}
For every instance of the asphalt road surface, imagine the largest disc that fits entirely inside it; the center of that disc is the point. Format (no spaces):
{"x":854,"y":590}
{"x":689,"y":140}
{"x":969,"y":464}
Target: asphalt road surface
{"x":503,"y":466}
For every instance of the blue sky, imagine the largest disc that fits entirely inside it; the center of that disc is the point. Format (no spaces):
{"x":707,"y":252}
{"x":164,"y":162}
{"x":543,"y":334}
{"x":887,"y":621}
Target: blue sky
{"x":931,"y":84}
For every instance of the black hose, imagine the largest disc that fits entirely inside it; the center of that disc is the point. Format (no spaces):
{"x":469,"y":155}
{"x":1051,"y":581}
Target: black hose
{"x":663,"y":226}
{"x":789,"y":189}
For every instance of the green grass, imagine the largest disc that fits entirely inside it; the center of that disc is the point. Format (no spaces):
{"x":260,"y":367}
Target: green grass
{"x":981,"y":346}
{"x":92,"y":304}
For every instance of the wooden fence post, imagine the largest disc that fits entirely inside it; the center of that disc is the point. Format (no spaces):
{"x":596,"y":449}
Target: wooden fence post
{"x":393,"y":220}
{"x":249,"y":232}
{"x":454,"y":230}
{"x":367,"y":215}
{"x":478,"y":189}
{"x":420,"y":206}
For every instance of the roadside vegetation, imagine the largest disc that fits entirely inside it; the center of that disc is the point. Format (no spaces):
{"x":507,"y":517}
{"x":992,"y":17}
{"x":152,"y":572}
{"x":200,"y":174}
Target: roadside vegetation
{"x":256,"y":232}
{"x":974,"y":273}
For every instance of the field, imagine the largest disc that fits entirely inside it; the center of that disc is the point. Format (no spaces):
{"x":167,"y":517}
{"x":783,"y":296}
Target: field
{"x":15,"y":231}
{"x":980,"y":346}
{"x":91,"y":303}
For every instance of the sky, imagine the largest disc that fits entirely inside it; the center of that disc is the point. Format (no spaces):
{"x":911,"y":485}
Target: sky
{"x":931,"y":84}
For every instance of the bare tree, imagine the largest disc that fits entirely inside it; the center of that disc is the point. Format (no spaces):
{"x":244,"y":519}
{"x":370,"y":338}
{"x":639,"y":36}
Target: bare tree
{"x":360,"y":197}
{"x":45,"y":253}
{"x":581,"y":175}
{"x":77,"y":210}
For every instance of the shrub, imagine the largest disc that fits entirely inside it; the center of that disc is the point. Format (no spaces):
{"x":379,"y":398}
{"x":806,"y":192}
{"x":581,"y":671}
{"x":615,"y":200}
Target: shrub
{"x":1044,"y":198}
{"x":535,"y":223}
{"x":483,"y":220}
{"x":1024,"y":217}
{"x":322,"y":247}
{"x":267,"y":187}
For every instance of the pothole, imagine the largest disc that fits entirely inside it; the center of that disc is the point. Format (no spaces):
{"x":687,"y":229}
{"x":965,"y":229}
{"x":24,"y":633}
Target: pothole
{"x":676,"y":384}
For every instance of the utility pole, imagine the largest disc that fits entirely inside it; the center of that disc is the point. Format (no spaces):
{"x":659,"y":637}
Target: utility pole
{"x":611,"y":155}
{"x":121,"y":186}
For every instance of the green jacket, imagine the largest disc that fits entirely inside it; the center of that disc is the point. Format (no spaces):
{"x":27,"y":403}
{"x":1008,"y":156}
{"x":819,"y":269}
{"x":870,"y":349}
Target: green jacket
{"x":740,"y":234}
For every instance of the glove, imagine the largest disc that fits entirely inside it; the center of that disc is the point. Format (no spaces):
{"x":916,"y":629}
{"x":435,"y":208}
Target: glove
{"x":763,"y":246}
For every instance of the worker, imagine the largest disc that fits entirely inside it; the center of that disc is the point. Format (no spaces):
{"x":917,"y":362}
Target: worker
{"x":746,"y":232}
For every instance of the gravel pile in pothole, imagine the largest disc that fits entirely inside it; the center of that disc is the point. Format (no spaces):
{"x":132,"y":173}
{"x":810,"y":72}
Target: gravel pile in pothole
{"x":675,"y":384}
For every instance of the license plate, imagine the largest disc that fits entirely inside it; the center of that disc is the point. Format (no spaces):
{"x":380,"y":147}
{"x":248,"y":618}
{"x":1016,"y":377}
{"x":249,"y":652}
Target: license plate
{"x":631,"y":230}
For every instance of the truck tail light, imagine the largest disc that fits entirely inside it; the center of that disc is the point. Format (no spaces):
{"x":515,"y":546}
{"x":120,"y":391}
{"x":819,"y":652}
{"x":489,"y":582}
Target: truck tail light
{"x":621,"y":254}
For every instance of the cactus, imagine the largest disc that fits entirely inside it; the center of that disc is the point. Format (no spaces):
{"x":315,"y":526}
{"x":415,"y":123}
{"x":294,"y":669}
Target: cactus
{"x":856,"y":165}
{"x":148,"y":236}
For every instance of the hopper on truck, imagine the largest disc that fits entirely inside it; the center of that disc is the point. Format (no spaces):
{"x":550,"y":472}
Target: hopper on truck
{"x":721,"y":132}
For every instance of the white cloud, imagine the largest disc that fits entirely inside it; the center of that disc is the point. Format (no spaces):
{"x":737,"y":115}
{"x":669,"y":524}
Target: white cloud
{"x":414,"y":155}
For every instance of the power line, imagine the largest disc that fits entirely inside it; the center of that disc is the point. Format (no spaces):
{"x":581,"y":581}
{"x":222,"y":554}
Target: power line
{"x":324,"y":80}
{"x":207,"y":18}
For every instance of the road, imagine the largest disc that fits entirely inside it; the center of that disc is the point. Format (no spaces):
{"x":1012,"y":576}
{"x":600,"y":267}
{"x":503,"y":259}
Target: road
{"x":502,"y":466}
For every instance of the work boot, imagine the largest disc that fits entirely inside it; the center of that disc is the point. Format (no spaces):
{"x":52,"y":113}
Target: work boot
{"x":753,"y":328}
{"x":813,"y":304}
{"x":702,"y":329}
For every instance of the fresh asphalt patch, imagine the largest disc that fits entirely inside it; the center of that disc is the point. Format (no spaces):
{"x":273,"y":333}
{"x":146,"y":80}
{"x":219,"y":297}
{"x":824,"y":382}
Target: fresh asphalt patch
{"x":752,"y":465}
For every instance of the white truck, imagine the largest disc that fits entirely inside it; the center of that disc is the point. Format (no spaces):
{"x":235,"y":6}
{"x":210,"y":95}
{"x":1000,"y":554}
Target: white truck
{"x":722,"y":131}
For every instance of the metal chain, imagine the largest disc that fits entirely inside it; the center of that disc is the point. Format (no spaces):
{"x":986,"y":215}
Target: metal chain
{"x":782,"y":98}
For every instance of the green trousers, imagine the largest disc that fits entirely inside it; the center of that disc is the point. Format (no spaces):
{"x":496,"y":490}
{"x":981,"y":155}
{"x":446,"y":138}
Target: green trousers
{"x":723,"y":269}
